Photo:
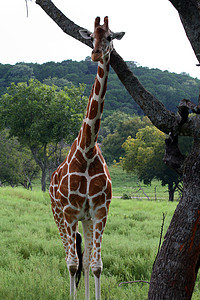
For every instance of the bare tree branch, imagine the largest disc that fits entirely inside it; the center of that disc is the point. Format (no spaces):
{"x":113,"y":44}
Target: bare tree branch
{"x":189,"y":12}
{"x":62,"y":21}
{"x":161,"y":234}
{"x":152,"y":107}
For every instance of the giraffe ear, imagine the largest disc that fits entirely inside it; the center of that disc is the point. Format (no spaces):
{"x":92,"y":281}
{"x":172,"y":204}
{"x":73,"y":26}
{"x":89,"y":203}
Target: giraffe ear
{"x":117,"y":35}
{"x":86,"y":34}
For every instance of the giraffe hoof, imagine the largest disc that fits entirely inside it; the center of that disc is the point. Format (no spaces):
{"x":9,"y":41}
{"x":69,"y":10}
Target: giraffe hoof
{"x":73,"y":269}
{"x":97,"y":272}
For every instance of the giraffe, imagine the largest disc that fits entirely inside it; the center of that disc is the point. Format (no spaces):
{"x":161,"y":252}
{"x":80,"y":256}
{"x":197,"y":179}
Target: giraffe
{"x":81,"y":188}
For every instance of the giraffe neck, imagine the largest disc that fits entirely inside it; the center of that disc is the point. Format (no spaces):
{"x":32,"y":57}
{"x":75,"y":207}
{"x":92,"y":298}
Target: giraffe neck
{"x":88,"y":134}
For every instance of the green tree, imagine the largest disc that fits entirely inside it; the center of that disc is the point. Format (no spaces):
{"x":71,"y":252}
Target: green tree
{"x":20,"y":72}
{"x":144,"y":156}
{"x":40,"y":115}
{"x":17,"y":165}
{"x":116,"y":129}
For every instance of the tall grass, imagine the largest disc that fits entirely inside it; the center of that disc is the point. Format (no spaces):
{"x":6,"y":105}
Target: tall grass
{"x":32,"y":264}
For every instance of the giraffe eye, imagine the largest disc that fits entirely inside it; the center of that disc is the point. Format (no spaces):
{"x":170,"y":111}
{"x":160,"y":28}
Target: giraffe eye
{"x":109,"y":38}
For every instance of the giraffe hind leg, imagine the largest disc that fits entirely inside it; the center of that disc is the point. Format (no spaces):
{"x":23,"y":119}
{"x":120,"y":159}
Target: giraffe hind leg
{"x":72,"y":259}
{"x":97,"y":265}
{"x":88,"y":237}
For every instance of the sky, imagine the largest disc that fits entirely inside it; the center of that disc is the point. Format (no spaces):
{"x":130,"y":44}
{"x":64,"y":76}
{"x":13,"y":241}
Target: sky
{"x":154,"y":37}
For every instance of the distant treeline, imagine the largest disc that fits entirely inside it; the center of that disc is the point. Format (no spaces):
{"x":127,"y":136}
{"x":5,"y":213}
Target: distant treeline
{"x":168,"y":87}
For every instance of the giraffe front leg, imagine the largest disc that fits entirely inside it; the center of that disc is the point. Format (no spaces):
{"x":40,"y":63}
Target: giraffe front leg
{"x":97,"y":265}
{"x":59,"y":220}
{"x":88,"y":236}
{"x":72,"y":258}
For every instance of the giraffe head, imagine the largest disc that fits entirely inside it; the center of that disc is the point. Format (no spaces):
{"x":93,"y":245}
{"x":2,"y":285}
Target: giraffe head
{"x":102,"y":38}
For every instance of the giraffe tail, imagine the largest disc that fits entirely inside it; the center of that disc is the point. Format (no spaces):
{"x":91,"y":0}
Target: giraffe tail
{"x":80,"y":256}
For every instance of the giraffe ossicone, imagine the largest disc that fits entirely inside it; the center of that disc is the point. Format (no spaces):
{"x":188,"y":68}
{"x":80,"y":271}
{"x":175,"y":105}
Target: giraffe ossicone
{"x":81,"y":188}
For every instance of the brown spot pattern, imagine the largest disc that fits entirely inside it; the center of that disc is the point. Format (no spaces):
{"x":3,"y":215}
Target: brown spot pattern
{"x":108,"y":204}
{"x":64,"y":187}
{"x":78,"y":183}
{"x":97,"y":235}
{"x":73,"y":148}
{"x":97,"y":87}
{"x":81,"y":160}
{"x":100,"y":72}
{"x":51,"y":190}
{"x":99,"y":200}
{"x":108,"y":191}
{"x":93,"y":109}
{"x":101,"y":213}
{"x":86,"y":136}
{"x":76,"y":200}
{"x":95,"y":167}
{"x":102,"y":106}
{"x":96,"y":184}
{"x":78,"y":165}
{"x":97,"y":126}
{"x":92,"y":152}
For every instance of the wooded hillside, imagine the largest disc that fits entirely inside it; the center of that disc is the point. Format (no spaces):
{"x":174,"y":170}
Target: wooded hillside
{"x":168,"y":87}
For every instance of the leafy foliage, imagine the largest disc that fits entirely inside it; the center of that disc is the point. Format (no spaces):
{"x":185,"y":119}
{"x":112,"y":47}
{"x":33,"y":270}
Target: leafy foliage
{"x":17,"y":165}
{"x":38,"y":114}
{"x":116,"y":129}
{"x":144,"y":156}
{"x":168,"y":87}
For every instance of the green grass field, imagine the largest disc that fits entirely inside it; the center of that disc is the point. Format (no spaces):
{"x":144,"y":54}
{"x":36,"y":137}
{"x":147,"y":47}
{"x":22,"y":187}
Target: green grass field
{"x":32,"y":264}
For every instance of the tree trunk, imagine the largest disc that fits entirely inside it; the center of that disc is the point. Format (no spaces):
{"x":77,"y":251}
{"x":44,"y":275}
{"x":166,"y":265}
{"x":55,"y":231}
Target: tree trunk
{"x":43,"y":179}
{"x":177,"y":264}
{"x":171,"y":191}
{"x":41,"y":160}
{"x":44,"y":169}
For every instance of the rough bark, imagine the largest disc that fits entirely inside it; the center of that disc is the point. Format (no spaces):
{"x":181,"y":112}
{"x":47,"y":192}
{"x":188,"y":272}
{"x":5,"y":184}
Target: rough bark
{"x":177,"y":264}
{"x":189,"y":12}
{"x":152,"y":107}
{"x":62,"y":21}
{"x":178,"y":261}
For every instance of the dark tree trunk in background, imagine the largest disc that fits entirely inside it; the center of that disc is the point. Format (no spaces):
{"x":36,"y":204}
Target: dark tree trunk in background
{"x":178,"y":261}
{"x":171,"y":191}
{"x":41,"y":159}
{"x":43,"y":180}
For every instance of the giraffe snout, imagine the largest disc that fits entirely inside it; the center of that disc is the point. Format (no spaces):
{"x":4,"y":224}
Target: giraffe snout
{"x":96,"y":54}
{"x":96,"y":51}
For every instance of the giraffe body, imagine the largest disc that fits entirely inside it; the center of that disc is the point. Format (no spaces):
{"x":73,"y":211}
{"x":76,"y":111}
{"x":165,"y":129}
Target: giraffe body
{"x":81,"y":187}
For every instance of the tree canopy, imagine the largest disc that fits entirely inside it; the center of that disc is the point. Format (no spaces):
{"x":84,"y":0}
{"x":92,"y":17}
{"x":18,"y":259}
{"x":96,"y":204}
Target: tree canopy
{"x":170,"y":88}
{"x":17,"y":165}
{"x":115,"y":129}
{"x":40,"y":115}
{"x":144,"y":156}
